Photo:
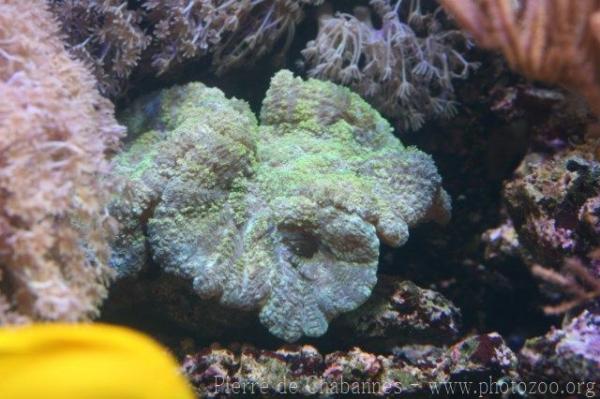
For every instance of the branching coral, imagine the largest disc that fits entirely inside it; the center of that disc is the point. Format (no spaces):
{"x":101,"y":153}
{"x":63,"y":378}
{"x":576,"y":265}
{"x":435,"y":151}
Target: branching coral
{"x":285,"y":218}
{"x":404,"y":68}
{"x":575,"y":279}
{"x":54,"y":131}
{"x":105,"y":35}
{"x":557,"y":41}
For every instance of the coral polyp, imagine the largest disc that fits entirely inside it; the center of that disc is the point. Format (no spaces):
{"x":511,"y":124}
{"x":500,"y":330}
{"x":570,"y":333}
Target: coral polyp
{"x":405,"y":67}
{"x":285,"y":217}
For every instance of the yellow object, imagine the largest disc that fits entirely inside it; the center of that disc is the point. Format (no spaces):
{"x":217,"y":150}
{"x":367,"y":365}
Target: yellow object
{"x":86,"y":361}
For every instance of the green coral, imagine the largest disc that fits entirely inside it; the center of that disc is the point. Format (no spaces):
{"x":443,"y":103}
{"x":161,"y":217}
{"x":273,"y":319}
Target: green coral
{"x":285,"y":217}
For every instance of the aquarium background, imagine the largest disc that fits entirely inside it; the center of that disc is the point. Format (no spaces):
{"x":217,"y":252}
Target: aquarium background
{"x":503,"y":95}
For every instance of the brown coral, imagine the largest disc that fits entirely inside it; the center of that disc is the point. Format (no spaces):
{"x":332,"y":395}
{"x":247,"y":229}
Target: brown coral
{"x":557,"y":41}
{"x":54,"y":131}
{"x":576,"y":280}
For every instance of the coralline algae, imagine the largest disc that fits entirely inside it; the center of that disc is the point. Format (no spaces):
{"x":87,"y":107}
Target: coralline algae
{"x":295,"y":370}
{"x":285,"y":216}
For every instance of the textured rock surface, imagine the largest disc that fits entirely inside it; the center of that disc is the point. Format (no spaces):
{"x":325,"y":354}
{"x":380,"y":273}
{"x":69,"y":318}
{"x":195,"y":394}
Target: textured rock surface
{"x":302,"y":370}
{"x":568,"y":354}
{"x":553,"y":203}
{"x":399,"y":312}
{"x":285,"y":218}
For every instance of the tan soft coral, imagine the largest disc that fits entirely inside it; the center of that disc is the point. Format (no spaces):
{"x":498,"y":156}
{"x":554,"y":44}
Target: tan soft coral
{"x":54,"y":132}
{"x":557,"y":41}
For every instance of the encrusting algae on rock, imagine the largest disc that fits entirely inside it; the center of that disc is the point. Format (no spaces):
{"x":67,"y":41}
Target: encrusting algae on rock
{"x":284,"y":217}
{"x":301,"y":370}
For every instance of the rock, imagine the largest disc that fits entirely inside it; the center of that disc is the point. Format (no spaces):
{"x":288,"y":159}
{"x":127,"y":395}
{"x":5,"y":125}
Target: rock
{"x":302,"y":370}
{"x":567,"y":355}
{"x":548,"y":201}
{"x":398,"y":313}
{"x":552,"y":203}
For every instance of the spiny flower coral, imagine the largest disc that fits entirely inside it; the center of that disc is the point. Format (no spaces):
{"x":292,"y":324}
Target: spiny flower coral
{"x":285,"y":217}
{"x":403,"y":68}
{"x":54,"y":131}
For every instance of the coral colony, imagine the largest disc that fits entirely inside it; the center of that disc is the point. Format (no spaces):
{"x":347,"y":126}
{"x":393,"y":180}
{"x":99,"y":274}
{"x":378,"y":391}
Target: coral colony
{"x":392,"y":198}
{"x":285,"y":216}
{"x":405,"y":68}
{"x":55,"y":131}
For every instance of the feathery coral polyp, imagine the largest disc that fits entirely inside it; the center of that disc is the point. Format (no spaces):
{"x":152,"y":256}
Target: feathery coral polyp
{"x":404,"y":68}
